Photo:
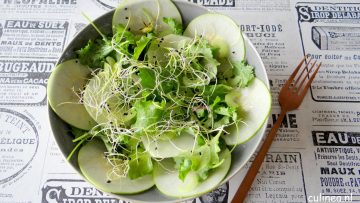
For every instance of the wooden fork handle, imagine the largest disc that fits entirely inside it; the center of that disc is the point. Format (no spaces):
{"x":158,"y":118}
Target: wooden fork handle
{"x":242,"y":191}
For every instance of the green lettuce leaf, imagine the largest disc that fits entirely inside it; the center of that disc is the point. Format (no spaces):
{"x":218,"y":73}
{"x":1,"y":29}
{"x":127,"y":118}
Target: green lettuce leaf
{"x":94,"y":53}
{"x":205,"y":61}
{"x":201,"y":160}
{"x":140,"y":165}
{"x":243,"y":74}
{"x":176,"y":27}
{"x":214,"y":91}
{"x":124,"y":41}
{"x":183,"y":165}
{"x":168,"y":86}
{"x":148,"y":79}
{"x":141,"y":45}
{"x":225,"y":111}
{"x":148,"y":113}
{"x":224,"y":121}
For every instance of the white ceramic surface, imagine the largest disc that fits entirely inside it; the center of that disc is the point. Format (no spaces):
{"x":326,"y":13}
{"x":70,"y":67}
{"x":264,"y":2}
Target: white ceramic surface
{"x":61,"y":130}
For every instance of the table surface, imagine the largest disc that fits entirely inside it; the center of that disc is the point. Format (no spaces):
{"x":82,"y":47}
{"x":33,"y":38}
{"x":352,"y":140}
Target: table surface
{"x":314,"y":158}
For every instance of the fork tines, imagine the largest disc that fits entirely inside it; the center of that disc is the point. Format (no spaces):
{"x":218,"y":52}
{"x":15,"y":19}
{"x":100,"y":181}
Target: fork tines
{"x":295,"y":78}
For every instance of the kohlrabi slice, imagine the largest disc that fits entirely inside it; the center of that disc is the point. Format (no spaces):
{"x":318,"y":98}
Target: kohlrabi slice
{"x":255,"y":104}
{"x":98,"y":171}
{"x":65,"y":86}
{"x":221,"y":32}
{"x":167,"y":180}
{"x":171,"y":147}
{"x":103,"y":103}
{"x":142,"y":16}
{"x":159,"y":49}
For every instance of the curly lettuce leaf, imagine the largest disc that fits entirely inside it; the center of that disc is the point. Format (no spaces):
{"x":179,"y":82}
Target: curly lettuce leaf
{"x":94,"y":53}
{"x":175,"y":26}
{"x":148,"y":113}
{"x":218,"y":115}
{"x":201,"y":160}
{"x":183,"y":165}
{"x":243,"y":74}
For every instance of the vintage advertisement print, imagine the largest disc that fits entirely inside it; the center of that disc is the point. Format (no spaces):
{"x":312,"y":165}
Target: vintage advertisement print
{"x":342,"y":116}
{"x":19,"y":143}
{"x":107,"y":4}
{"x":336,"y":38}
{"x":71,"y":191}
{"x":214,"y":3}
{"x":279,"y":180}
{"x":39,"y":7}
{"x":35,"y":39}
{"x":79,"y":191}
{"x":22,"y":152}
{"x":110,"y":4}
{"x":337,"y":161}
{"x":24,"y":82}
{"x":330,"y":33}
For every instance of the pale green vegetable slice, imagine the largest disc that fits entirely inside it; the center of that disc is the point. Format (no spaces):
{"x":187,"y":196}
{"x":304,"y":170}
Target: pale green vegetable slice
{"x":159,"y":49}
{"x":221,"y":32}
{"x":97,"y":170}
{"x":141,"y":16}
{"x":103,"y":104}
{"x":255,"y":101}
{"x":167,"y":180}
{"x":170,"y":147}
{"x":64,"y":89}
{"x":97,"y":95}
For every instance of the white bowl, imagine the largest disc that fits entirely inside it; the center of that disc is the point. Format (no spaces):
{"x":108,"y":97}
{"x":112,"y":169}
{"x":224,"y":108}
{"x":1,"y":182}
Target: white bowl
{"x":61,"y":130}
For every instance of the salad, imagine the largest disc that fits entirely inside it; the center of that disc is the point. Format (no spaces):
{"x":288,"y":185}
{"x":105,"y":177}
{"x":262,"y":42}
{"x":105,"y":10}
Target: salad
{"x":157,"y":103}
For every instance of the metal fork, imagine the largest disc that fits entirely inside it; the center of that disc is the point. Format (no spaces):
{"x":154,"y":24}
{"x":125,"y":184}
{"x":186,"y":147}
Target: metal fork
{"x":290,"y":97}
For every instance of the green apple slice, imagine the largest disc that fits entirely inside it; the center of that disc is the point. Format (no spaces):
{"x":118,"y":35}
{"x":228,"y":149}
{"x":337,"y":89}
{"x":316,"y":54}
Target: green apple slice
{"x":64,"y":89}
{"x":159,"y":48}
{"x":169,"y":147}
{"x":221,"y":32}
{"x":167,"y":180}
{"x":97,"y":170}
{"x":103,"y":104}
{"x":141,"y":16}
{"x":255,"y":101}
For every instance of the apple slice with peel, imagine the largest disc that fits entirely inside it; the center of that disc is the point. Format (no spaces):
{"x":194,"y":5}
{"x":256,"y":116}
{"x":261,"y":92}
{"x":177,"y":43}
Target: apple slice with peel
{"x":221,"y":32}
{"x":255,"y":102}
{"x":170,"y":147}
{"x":97,"y":170}
{"x":101,"y":102}
{"x":64,"y":89}
{"x":159,"y":48}
{"x":141,"y":16}
{"x":167,"y":180}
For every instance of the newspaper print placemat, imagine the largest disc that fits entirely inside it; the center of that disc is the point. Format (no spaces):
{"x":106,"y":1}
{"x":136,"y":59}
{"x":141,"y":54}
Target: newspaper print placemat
{"x":314,"y":158}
